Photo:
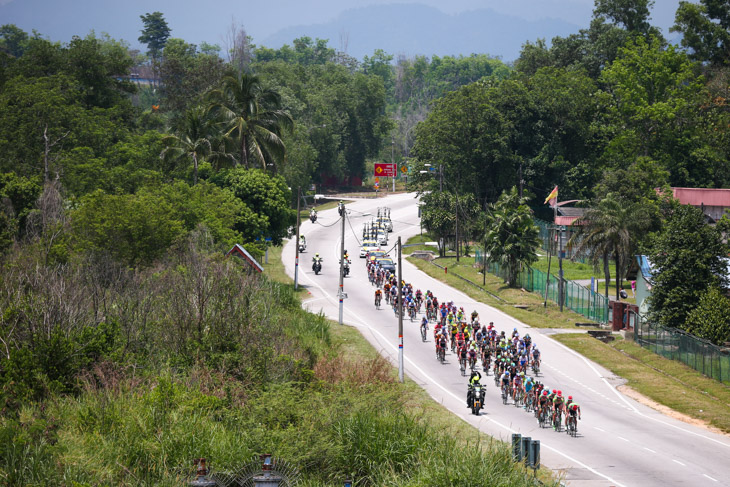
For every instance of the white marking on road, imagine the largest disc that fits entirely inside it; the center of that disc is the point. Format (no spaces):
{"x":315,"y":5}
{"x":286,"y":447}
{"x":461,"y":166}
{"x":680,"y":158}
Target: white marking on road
{"x":705,"y":475}
{"x":649,"y":449}
{"x":599,"y":429}
{"x":630,"y":406}
{"x":677,"y":461}
{"x":434,"y":382}
{"x":622,"y":438}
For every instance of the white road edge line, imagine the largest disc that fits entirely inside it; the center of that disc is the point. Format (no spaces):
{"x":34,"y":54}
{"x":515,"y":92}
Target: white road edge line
{"x":544,"y":445}
{"x":677,"y":461}
{"x":622,"y":438}
{"x":631,"y":406}
{"x":705,"y":475}
{"x":649,"y":449}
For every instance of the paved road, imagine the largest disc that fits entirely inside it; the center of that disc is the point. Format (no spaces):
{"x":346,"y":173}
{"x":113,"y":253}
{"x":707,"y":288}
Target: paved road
{"x":620,"y":442}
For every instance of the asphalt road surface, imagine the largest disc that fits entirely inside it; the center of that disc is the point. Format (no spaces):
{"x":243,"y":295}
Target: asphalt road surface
{"x":620,"y":442}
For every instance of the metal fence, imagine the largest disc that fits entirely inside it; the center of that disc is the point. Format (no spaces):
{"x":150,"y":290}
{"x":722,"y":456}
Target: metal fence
{"x":671,"y":343}
{"x":577,"y":297}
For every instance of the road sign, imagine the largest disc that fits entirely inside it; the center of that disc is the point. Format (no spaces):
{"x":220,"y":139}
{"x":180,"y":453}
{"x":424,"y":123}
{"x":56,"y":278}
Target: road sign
{"x":404,"y":169}
{"x":385,"y":170}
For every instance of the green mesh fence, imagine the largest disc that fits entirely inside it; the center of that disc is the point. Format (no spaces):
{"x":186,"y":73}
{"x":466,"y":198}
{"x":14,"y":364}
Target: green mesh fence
{"x":577,"y":298}
{"x":674,"y":344}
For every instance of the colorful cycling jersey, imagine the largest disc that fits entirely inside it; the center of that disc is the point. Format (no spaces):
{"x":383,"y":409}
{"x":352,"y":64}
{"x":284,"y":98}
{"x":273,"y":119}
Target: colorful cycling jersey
{"x":528,"y":386}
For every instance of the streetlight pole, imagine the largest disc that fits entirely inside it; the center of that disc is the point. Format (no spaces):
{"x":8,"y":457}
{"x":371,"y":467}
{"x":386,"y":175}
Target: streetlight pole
{"x":400,"y":312}
{"x":296,"y":252}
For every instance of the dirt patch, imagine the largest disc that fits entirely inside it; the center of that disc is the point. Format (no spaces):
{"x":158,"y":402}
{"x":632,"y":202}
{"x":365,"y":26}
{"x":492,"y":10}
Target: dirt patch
{"x":635,"y":395}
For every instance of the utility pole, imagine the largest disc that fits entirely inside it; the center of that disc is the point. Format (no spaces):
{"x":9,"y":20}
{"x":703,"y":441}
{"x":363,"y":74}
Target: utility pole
{"x":547,"y":279}
{"x":441,"y":178}
{"x":561,"y":291}
{"x":457,"y":226}
{"x":296,"y":254}
{"x":484,"y":253}
{"x":392,"y":160}
{"x":341,"y":292}
{"x":400,"y":313}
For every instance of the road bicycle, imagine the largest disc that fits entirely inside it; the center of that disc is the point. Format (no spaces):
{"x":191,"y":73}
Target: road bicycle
{"x":572,"y":428}
{"x":557,"y":422}
{"x":504,"y":394}
{"x":424,"y":331}
{"x":518,"y":398}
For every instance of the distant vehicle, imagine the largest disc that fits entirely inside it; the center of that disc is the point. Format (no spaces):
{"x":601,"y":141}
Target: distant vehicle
{"x":387,"y":264}
{"x":377,"y":254}
{"x":385,"y":223}
{"x":382,"y":238}
{"x":368,"y":246}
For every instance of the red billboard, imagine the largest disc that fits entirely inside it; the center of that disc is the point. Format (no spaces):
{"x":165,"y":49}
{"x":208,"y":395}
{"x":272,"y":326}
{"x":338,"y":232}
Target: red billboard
{"x":384,"y":170}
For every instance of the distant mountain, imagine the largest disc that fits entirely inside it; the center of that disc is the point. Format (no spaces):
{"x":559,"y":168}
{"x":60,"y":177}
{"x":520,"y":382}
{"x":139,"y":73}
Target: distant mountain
{"x":418,"y":29}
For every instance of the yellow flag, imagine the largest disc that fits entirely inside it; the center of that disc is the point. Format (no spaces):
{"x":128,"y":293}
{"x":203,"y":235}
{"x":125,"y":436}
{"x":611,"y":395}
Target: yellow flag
{"x":552,"y":196}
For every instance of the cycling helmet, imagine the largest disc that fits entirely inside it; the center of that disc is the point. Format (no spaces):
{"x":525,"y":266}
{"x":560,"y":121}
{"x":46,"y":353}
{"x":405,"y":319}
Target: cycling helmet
{"x":514,"y":329}
{"x":560,"y":393}
{"x":522,"y":374}
{"x":316,"y":254}
{"x":544,"y":393}
{"x":570,"y":398}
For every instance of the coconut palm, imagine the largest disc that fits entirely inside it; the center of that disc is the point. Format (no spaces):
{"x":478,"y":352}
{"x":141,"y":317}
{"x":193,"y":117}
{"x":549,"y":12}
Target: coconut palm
{"x":191,"y":142}
{"x":252,"y":116}
{"x":610,"y":229}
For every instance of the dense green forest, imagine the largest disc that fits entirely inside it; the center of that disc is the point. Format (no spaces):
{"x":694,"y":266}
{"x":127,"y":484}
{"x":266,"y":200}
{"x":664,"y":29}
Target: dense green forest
{"x":124,"y":176}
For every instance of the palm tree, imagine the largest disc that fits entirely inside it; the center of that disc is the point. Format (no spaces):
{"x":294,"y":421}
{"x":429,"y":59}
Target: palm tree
{"x":512,"y":238}
{"x":252,"y":116}
{"x":192,"y":141}
{"x":610,"y":229}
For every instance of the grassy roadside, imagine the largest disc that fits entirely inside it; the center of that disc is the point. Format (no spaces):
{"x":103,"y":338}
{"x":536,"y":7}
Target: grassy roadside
{"x":348,"y":342}
{"x":522,"y":305}
{"x":667,"y":382}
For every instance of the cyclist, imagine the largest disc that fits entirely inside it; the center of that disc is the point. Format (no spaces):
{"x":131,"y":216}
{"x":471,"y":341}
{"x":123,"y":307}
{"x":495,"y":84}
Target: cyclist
{"x":573,"y":411}
{"x":528,"y":390}
{"x":558,"y":405}
{"x":517,"y":385}
{"x":378,"y":297}
{"x":536,"y":356}
{"x":505,"y":380}
{"x":542,"y":402}
{"x":472,"y":355}
{"x":474,"y":316}
{"x":424,"y":325}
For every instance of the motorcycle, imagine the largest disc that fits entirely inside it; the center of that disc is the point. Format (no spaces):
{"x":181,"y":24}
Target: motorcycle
{"x":317,"y":266}
{"x":475,"y":398}
{"x":346,"y":268}
{"x":313,"y":216}
{"x":302,"y":246}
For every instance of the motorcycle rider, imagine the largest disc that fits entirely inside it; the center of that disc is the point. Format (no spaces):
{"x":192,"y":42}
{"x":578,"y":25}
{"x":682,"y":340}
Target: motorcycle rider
{"x":316,"y":260}
{"x":473,"y":381}
{"x":313,"y":214}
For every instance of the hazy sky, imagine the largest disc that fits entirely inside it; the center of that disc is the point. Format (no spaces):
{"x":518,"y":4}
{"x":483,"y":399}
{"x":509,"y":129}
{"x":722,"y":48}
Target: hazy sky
{"x":197,"y":21}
